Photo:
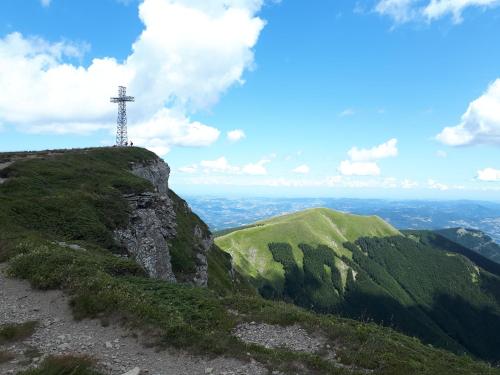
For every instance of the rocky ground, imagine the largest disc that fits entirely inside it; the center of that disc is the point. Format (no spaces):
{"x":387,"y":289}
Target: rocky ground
{"x":292,"y":337}
{"x":120,"y":351}
{"x":116,"y":350}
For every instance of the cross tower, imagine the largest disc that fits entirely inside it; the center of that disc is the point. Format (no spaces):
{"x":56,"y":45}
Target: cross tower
{"x":121,"y":130}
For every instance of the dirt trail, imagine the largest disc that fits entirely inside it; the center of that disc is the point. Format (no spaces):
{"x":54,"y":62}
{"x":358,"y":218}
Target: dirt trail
{"x":115,"y":349}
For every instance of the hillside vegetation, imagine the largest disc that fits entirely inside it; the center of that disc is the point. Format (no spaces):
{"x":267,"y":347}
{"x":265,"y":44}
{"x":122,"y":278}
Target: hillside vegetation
{"x":423,"y":287}
{"x":51,"y":200}
{"x":249,"y":246}
{"x":475,"y":240}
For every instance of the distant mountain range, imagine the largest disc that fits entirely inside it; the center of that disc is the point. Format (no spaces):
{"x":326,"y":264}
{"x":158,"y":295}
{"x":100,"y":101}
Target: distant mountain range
{"x":222,"y":213}
{"x":416,"y":281}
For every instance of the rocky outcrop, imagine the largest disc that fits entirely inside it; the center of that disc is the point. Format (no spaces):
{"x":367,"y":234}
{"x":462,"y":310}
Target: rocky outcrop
{"x":157,"y":172}
{"x":162,"y":228}
{"x":151,"y":226}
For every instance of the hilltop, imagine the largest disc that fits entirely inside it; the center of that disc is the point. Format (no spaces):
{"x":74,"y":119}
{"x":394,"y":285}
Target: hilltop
{"x":361,"y":267}
{"x":104,"y":242}
{"x":318,"y":226}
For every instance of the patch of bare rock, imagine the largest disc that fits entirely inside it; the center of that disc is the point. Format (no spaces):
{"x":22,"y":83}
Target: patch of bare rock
{"x":294,"y":337}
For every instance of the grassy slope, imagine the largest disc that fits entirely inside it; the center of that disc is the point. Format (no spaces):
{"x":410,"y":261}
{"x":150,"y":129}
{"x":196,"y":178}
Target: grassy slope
{"x":200,"y":320}
{"x":77,"y":197}
{"x":319,"y":226}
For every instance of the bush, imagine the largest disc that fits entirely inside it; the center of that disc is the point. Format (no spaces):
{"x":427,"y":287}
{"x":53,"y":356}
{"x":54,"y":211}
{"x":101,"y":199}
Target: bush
{"x":64,"y":365}
{"x":16,"y":332}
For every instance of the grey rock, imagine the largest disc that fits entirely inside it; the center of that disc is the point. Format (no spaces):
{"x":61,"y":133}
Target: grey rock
{"x":157,"y":172}
{"x":134,"y":371}
{"x":153,"y":226}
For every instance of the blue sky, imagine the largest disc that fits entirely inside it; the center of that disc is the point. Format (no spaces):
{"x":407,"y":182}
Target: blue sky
{"x":385,"y":98}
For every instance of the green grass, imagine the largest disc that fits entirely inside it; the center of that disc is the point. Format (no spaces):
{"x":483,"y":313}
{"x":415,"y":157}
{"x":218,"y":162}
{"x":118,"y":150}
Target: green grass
{"x":64,"y":365}
{"x":77,"y":197}
{"x":319,"y":226}
{"x":198,"y":319}
{"x":73,"y":196}
{"x":411,"y":284}
{"x":16,"y":332}
{"x":474,"y":240}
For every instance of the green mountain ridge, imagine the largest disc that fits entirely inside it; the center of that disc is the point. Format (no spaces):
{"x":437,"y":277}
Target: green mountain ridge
{"x":475,"y":240}
{"x":58,"y":213}
{"x":418,"y":282}
{"x":317,"y":226}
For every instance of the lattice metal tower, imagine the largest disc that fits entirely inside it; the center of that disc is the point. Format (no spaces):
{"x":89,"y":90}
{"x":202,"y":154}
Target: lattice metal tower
{"x":121,"y":130}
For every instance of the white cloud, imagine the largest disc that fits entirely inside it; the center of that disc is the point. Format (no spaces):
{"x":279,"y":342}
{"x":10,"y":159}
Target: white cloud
{"x":236,"y":135}
{"x":256,"y":169}
{"x":480,"y":123}
{"x":168,"y":127}
{"x":409,"y":184}
{"x":349,"y":168}
{"x":45,"y":3}
{"x":347,"y":112}
{"x":489,"y":175}
{"x":431,"y":184}
{"x":302,"y":169}
{"x":399,"y":10}
{"x":363,"y":162}
{"x":439,"y":8}
{"x":223,"y":166}
{"x":327,"y":182}
{"x":407,"y":10}
{"x":220,"y":165}
{"x":385,"y":150}
{"x":441,"y":154}
{"x":189,"y":53}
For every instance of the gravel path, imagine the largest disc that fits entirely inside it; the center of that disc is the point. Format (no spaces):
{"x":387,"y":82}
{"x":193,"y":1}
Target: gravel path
{"x":293,"y":337}
{"x":115,"y":349}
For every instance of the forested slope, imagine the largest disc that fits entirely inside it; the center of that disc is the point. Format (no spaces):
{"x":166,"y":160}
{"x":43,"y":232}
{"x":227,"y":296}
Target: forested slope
{"x":415,"y":283}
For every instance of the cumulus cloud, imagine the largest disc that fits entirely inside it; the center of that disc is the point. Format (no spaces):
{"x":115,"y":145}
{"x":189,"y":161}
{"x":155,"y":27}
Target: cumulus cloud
{"x":256,"y":169}
{"x":302,"y":169}
{"x":409,"y":184}
{"x":479,"y":124}
{"x":489,"y":175}
{"x":432,"y":184}
{"x":328,"y":182}
{"x":363,"y":162}
{"x":349,"y":168}
{"x":408,"y":10}
{"x":223,"y":166}
{"x":385,"y":150}
{"x":236,"y":135}
{"x":169,"y":127}
{"x":220,"y":165}
{"x":189,"y":53}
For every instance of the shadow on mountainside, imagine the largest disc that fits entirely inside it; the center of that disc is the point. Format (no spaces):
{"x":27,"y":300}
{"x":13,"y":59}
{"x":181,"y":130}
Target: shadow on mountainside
{"x":451,"y":323}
